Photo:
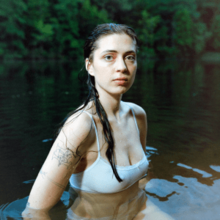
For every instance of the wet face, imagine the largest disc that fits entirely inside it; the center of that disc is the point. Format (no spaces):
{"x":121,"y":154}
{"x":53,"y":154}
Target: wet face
{"x":114,"y":64}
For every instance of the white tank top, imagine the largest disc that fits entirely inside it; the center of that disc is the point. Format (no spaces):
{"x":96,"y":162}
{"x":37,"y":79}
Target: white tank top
{"x":99,"y":177}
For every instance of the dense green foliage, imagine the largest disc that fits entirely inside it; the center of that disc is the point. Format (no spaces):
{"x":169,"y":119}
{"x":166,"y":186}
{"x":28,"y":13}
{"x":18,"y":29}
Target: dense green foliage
{"x":56,"y":29}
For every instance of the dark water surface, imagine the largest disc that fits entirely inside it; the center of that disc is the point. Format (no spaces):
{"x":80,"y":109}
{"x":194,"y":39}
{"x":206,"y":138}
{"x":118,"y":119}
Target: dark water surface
{"x":182,"y":100}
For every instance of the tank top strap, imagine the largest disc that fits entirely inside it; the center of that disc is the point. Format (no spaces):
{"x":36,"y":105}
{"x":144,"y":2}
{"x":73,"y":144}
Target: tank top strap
{"x":135,"y":121}
{"x":96,"y":132}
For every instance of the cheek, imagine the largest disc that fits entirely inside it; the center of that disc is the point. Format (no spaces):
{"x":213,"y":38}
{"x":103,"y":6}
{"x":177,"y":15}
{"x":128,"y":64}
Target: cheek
{"x":133,"y":78}
{"x":101,"y":76}
{"x":133,"y":70}
{"x":134,"y":75}
{"x":102,"y":73}
{"x":132,"y":67}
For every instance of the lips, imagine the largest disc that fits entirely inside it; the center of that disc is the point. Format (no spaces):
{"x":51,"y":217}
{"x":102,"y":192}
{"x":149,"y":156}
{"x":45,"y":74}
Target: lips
{"x":121,"y":81}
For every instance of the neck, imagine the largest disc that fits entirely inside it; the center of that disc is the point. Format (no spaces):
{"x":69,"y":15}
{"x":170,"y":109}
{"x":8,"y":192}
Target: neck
{"x":111,"y":104}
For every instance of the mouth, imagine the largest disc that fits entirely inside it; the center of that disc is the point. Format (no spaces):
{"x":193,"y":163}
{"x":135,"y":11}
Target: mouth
{"x":121,"y":79}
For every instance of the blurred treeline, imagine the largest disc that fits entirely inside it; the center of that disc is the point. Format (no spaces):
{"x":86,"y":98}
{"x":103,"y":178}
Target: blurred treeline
{"x":56,"y":29}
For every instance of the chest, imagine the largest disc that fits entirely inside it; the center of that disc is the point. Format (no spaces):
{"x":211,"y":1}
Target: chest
{"x":127,"y":145}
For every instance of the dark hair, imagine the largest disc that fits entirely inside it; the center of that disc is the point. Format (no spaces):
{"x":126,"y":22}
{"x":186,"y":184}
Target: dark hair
{"x":90,"y":45}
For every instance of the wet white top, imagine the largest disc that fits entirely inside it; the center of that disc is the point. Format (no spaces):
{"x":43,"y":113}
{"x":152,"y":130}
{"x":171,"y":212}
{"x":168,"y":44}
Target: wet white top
{"x":99,"y":177}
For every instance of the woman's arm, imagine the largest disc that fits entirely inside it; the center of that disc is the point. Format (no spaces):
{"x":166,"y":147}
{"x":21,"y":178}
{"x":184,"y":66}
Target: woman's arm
{"x":141,"y":118}
{"x":142,"y":125}
{"x":60,"y":163}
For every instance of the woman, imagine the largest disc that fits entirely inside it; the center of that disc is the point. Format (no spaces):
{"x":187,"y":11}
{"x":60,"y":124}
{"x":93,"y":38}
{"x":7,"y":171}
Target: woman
{"x":101,"y":147}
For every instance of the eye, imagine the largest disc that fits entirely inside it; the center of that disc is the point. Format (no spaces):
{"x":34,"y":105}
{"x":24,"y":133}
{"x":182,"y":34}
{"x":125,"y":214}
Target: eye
{"x":108,"y":57}
{"x":130,"y":57}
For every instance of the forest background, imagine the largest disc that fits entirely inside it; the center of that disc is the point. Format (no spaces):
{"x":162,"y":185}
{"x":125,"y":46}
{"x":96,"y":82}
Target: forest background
{"x":56,"y":29}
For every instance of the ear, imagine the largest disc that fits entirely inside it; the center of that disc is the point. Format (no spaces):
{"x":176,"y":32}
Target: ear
{"x":89,"y":67}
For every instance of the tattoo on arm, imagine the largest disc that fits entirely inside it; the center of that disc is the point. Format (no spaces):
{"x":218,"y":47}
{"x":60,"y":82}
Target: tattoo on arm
{"x":63,"y":156}
{"x":44,"y":175}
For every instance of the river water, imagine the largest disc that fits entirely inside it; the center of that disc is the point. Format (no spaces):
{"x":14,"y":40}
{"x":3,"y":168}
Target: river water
{"x":182,"y":101}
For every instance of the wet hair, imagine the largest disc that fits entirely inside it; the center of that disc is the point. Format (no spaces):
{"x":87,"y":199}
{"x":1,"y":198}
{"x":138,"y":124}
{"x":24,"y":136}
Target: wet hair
{"x":89,"y":47}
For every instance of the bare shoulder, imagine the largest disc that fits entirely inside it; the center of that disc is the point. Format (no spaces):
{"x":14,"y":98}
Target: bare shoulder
{"x":138,"y":110}
{"x":76,"y":129}
{"x":80,"y":118}
{"x":141,"y":118}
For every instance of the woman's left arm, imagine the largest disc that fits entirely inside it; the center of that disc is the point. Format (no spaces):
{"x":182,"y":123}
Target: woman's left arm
{"x":141,"y":118}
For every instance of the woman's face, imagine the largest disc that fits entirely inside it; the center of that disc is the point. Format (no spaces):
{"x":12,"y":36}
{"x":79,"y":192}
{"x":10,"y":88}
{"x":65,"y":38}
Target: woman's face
{"x":114,"y":64}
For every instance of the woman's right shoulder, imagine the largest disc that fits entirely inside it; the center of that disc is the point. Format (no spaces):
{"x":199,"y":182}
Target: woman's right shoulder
{"x":76,"y":129}
{"x":82,"y":118}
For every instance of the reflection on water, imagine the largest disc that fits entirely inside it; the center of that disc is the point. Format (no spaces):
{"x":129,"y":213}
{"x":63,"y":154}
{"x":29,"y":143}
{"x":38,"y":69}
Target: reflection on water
{"x":121,"y":205}
{"x":129,"y":204}
{"x":182,"y":101}
{"x":14,"y":209}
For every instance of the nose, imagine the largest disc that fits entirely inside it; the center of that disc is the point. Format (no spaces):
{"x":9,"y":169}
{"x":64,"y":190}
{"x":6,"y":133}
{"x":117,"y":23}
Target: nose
{"x":121,"y":65}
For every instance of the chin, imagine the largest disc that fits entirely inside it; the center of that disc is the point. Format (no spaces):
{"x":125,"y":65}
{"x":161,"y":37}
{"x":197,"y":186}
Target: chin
{"x":121,"y":91}
{"x":117,"y":91}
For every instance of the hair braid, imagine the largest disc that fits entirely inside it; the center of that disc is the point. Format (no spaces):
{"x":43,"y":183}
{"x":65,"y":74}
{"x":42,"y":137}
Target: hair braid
{"x":105,"y":124}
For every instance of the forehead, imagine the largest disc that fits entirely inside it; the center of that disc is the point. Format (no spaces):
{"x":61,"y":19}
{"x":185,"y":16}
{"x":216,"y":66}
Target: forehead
{"x":117,"y":42}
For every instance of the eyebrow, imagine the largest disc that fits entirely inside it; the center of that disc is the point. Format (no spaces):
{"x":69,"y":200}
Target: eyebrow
{"x":115,"y":51}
